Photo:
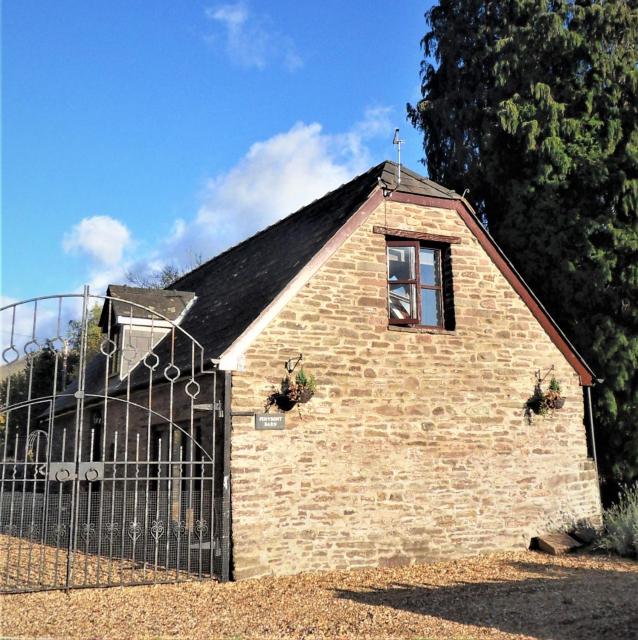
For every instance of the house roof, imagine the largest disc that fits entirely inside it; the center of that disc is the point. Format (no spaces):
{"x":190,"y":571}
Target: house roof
{"x":245,"y":283}
{"x":412,"y":182}
{"x":234,"y":287}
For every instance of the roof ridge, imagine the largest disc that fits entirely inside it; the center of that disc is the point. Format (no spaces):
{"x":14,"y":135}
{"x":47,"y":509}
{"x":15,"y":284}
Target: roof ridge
{"x":425,"y":180}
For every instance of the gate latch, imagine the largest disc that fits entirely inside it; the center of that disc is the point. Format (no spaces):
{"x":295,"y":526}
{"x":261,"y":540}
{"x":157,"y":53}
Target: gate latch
{"x":61,"y":471}
{"x":91,"y":471}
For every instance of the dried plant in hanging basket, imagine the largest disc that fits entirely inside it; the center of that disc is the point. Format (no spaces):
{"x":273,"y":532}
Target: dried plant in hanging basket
{"x":291,"y":392}
{"x":542,"y":402}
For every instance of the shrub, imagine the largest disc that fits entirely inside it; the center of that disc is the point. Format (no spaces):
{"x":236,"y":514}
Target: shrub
{"x":620,"y":525}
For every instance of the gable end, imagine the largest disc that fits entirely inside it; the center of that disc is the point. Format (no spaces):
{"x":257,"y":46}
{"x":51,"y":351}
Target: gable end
{"x":463,"y":208}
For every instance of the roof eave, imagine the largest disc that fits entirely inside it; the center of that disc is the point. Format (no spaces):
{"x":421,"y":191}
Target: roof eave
{"x":471,"y":211}
{"x":464,"y":208}
{"x":232,"y":358}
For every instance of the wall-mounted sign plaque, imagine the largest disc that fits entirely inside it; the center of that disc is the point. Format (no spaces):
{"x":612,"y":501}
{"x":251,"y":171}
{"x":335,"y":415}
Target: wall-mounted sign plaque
{"x":269,"y":421}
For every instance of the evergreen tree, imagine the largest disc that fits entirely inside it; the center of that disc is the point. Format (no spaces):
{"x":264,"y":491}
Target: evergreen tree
{"x":533,"y":106}
{"x":94,"y":335}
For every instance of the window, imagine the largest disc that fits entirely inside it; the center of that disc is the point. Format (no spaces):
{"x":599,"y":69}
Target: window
{"x":419,"y":284}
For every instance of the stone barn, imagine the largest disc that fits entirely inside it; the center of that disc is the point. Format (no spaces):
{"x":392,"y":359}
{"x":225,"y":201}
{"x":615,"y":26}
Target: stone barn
{"x":387,"y":388}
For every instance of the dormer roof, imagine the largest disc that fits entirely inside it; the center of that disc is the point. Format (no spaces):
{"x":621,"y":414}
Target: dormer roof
{"x":167,"y":303}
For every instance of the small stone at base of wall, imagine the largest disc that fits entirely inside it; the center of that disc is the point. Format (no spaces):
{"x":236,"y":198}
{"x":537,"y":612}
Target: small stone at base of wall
{"x":555,"y":543}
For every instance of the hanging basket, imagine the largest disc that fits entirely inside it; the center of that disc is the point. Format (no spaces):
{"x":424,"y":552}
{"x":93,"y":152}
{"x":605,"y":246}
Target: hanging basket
{"x":283,"y":402}
{"x":298,"y":390}
{"x":298,"y":395}
{"x":305,"y":394}
{"x":541,"y":402}
{"x":556,"y":403}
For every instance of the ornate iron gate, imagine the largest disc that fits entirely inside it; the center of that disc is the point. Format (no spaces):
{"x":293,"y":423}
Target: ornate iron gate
{"x":112,"y":448}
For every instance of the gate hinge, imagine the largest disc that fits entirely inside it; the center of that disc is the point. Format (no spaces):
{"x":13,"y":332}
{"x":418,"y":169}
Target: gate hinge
{"x":211,"y":407}
{"x":203,"y":407}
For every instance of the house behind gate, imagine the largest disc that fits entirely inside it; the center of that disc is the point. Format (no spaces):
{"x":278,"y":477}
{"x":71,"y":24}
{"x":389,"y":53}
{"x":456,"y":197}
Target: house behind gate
{"x":425,"y":345}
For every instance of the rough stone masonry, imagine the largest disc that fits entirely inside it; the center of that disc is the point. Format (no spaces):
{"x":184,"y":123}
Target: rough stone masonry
{"x":415,"y":446}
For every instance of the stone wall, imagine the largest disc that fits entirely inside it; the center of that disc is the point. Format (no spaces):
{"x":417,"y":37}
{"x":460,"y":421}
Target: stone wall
{"x":415,"y":446}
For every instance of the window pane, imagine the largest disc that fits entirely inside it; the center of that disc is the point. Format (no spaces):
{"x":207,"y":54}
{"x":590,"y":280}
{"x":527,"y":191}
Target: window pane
{"x":401,"y":263}
{"x":402,"y":299}
{"x":431,"y":307}
{"x":429,"y":264}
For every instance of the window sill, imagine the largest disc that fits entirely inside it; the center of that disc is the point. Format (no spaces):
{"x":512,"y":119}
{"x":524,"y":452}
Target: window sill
{"x":435,"y":330}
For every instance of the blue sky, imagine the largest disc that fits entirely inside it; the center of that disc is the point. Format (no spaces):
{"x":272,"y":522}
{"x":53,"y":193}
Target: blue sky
{"x":139,"y":132}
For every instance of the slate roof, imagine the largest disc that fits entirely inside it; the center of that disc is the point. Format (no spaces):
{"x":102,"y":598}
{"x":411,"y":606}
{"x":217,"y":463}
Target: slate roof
{"x":168,"y":303}
{"x":412,"y":182}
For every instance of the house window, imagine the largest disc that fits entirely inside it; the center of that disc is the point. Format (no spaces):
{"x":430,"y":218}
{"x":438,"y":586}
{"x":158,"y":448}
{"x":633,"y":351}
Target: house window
{"x":419,"y":284}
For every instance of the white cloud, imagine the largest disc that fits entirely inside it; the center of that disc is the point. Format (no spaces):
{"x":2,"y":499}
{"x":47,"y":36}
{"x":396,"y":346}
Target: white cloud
{"x":99,"y":279}
{"x":250,"y":40}
{"x":102,"y":238}
{"x":276,"y":177}
{"x":233,"y":16}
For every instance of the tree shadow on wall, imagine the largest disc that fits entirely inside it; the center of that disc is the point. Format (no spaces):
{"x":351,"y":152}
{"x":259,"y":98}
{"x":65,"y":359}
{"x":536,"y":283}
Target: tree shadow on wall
{"x":560,"y":602}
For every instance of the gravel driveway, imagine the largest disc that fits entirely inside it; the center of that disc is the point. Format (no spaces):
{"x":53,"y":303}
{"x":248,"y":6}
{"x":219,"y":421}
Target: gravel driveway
{"x":506,"y":595}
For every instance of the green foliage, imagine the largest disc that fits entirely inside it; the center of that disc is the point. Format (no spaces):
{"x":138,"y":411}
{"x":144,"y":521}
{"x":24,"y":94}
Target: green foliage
{"x":93,"y":333}
{"x":554,"y":385}
{"x":536,"y":404}
{"x":309,"y":382}
{"x":533,"y":106}
{"x":302,"y":389}
{"x":620,"y":525}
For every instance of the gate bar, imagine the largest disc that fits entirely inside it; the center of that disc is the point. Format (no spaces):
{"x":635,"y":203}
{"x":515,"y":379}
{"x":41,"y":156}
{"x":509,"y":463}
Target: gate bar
{"x":79,"y":424}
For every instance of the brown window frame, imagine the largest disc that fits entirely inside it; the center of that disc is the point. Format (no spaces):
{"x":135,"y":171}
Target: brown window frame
{"x":416,"y":281}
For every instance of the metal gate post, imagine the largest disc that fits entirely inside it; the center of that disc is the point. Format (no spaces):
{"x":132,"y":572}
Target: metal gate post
{"x":226,"y":512}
